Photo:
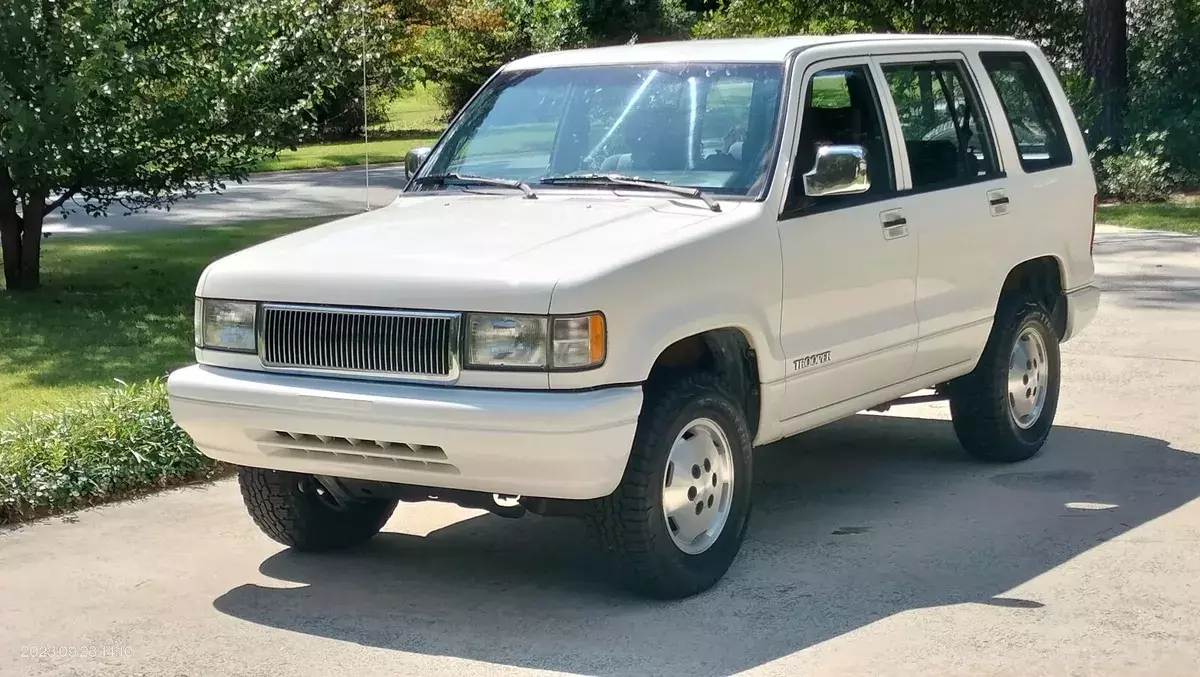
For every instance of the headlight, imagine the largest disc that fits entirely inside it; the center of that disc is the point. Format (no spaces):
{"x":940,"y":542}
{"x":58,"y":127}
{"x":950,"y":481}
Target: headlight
{"x":225,"y":325}
{"x":535,"y":342}
{"x":514,"y":341}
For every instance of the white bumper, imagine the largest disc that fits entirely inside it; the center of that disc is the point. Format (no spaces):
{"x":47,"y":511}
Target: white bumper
{"x":1082,"y":305}
{"x":531,"y":443}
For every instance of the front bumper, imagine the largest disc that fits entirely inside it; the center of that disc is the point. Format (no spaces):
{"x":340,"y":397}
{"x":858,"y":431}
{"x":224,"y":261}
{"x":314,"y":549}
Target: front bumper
{"x":1082,"y":304}
{"x":544,"y":444}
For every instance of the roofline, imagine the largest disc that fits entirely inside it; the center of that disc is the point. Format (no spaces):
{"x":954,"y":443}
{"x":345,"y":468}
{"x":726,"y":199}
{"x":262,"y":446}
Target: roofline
{"x":816,"y":41}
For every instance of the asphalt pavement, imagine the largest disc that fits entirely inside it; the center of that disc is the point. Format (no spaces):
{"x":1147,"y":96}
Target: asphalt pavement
{"x":875,"y":547}
{"x":263,"y":196}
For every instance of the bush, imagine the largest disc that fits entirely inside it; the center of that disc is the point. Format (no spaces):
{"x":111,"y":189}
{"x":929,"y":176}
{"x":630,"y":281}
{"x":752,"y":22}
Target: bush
{"x":118,"y":443}
{"x":1164,"y":96}
{"x":1140,"y":174}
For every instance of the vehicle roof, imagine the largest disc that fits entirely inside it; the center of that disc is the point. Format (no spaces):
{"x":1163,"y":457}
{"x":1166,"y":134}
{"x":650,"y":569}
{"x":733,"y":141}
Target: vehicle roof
{"x":737,"y":50}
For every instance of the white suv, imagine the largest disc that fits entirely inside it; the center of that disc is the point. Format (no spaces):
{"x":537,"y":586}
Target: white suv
{"x":621,"y":269}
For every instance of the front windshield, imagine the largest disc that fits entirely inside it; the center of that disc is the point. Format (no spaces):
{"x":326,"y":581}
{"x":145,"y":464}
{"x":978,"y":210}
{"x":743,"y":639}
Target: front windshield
{"x":706,"y":126}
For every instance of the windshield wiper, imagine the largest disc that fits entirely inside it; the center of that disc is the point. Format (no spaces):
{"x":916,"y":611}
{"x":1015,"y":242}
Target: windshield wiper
{"x":622,"y":180}
{"x":469,"y":179}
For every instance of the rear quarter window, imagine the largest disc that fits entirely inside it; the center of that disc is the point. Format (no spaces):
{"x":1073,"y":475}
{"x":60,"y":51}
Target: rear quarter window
{"x":1032,"y":116}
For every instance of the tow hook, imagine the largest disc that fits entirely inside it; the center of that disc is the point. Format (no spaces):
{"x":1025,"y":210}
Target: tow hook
{"x":508,"y":506}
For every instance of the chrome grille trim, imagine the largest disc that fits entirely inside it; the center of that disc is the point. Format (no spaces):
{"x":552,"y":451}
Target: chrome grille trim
{"x":352,"y":342}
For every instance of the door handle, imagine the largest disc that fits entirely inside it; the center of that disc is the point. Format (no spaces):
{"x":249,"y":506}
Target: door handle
{"x":894,"y":224}
{"x":997,"y":202}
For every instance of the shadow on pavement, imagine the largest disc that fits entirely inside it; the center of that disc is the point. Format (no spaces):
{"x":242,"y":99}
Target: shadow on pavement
{"x":853,"y":523}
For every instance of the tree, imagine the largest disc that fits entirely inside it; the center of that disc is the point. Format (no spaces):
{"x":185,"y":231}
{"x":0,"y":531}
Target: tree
{"x":1052,"y":23}
{"x":462,"y":42}
{"x":137,"y":103}
{"x":1105,"y":60}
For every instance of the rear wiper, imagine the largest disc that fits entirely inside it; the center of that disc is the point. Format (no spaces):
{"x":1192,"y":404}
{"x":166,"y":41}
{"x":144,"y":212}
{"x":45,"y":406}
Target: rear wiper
{"x":469,"y":179}
{"x":622,"y":180}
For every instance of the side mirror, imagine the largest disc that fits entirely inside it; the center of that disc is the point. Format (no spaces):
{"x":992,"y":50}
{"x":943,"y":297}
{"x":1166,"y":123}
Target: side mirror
{"x":838,"y":170}
{"x":414,"y":159}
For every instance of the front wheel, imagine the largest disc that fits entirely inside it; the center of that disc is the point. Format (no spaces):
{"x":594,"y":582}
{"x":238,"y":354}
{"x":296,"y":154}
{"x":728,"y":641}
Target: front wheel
{"x":677,"y":520}
{"x":297,"y":511}
{"x":1003,"y":410}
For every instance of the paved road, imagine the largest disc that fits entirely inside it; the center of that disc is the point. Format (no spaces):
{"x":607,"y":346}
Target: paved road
{"x":276,"y":195}
{"x":875,"y":548}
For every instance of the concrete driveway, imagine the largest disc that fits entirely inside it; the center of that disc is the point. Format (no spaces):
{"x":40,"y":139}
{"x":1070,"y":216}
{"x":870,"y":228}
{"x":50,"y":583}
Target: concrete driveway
{"x":264,"y":196}
{"x":875,"y":548}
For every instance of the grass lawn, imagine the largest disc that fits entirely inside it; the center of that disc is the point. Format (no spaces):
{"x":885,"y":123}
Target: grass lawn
{"x":414,"y":119}
{"x":1180,"y":214}
{"x":349,"y":153}
{"x":416,"y":109}
{"x":112,"y":307}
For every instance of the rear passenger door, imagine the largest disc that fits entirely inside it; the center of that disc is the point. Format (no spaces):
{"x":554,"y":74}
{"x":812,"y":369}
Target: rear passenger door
{"x":955,"y":201}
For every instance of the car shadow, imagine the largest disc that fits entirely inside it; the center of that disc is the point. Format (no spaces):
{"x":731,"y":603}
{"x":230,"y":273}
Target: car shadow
{"x":853,"y":523}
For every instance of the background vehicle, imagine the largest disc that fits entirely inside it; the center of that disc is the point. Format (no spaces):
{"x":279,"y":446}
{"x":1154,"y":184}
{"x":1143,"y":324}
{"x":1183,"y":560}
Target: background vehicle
{"x":621,"y":269}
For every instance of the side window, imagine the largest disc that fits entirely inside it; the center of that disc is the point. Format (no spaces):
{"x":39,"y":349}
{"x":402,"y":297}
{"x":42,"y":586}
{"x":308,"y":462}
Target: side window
{"x":947,"y":142}
{"x":841,"y":107}
{"x":1032,"y":117}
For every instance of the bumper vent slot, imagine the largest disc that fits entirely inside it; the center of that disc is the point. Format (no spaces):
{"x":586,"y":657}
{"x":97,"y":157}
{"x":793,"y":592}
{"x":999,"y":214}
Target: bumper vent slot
{"x":419,"y":457}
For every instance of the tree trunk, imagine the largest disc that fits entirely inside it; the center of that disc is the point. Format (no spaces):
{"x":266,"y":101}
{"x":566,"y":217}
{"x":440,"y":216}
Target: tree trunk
{"x":31,"y":243}
{"x":10,"y":242}
{"x":1105,"y":60}
{"x":20,"y":236}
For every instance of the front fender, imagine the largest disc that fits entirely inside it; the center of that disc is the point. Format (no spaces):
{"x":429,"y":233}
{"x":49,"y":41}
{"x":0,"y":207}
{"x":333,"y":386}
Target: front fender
{"x":728,"y":276}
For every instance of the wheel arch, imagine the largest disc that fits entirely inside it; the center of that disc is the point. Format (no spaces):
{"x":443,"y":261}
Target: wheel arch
{"x":1041,"y":278}
{"x":730,"y":352}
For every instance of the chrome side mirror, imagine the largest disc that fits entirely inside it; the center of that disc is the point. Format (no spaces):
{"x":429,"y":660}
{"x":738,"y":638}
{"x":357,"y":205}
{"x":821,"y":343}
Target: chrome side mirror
{"x":838,"y":170}
{"x":414,"y":159}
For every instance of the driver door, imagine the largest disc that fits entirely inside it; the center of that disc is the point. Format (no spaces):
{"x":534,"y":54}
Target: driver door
{"x":848,"y":323}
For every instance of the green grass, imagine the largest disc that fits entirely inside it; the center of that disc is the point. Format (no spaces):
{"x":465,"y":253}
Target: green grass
{"x":112,"y":307}
{"x":345,"y":154}
{"x":418,"y":109}
{"x":1181,"y":215}
{"x":414,"y":119}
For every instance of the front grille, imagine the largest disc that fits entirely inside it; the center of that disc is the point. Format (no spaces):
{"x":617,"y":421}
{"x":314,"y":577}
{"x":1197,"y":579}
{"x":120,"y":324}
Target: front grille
{"x":358,"y":341}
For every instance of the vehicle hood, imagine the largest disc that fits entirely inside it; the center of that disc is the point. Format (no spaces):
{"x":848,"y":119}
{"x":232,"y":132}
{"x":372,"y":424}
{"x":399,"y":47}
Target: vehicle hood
{"x":454,"y":251}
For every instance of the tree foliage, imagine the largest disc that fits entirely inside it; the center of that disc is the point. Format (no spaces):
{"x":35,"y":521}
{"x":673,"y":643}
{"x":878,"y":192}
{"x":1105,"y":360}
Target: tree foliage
{"x":1052,"y":23}
{"x":132,"y":104}
{"x":1164,"y":57}
{"x":379,"y":33}
{"x":462,"y":42}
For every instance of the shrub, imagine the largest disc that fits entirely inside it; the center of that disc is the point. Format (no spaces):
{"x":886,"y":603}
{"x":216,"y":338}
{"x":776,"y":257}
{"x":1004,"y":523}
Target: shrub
{"x":1164,"y":95}
{"x":1141,"y":173}
{"x":118,"y":443}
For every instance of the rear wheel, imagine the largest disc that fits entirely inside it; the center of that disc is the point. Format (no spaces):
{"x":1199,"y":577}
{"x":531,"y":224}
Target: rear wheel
{"x":676,"y":522}
{"x":299,"y":512}
{"x":1004,"y":409}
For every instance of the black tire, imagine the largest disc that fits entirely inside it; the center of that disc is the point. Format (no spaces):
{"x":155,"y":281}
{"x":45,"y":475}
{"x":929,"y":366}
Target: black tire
{"x":630,"y":525}
{"x":294,"y":510}
{"x":979,"y":401}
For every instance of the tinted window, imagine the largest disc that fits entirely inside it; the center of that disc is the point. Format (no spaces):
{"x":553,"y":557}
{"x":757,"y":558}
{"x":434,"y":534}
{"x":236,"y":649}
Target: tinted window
{"x":710,"y":126}
{"x":1032,"y":117}
{"x":946,"y":141}
{"x":841,"y":108}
